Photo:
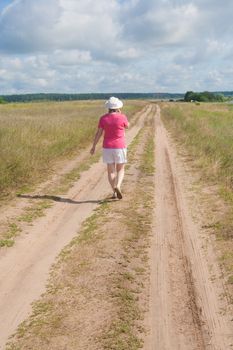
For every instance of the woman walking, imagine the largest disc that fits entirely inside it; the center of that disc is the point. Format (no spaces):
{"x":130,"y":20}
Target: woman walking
{"x":113,"y":126}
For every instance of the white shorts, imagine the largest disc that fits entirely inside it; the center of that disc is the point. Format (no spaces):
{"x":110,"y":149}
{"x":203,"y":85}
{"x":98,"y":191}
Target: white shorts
{"x":114,"y":155}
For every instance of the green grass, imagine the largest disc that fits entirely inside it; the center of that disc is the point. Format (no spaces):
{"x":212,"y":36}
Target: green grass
{"x":35,"y":211}
{"x":33,"y":136}
{"x":6,"y":243}
{"x":206,"y":131}
{"x":8,"y":238}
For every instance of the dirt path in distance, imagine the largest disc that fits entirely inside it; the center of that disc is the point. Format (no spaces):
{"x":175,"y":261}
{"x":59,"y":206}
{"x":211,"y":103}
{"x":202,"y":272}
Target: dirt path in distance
{"x":185,"y":310}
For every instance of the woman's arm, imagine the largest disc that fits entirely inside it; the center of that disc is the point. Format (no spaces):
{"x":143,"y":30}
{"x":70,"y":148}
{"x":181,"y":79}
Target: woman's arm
{"x":98,"y":135}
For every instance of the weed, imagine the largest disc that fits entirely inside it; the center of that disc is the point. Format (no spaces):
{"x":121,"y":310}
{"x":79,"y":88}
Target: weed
{"x":6,"y":243}
{"x":8,"y":237}
{"x":33,"y":212}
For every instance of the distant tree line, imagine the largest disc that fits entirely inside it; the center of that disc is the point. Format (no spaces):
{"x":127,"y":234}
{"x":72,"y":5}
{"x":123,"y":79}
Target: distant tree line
{"x":88,"y":96}
{"x":205,"y":96}
{"x":188,"y":96}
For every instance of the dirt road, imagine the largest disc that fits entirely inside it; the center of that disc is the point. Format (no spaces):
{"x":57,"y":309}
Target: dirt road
{"x":185,"y":306}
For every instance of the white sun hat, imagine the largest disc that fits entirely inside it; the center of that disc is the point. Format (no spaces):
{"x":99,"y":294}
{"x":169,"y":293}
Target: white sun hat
{"x":113,"y":103}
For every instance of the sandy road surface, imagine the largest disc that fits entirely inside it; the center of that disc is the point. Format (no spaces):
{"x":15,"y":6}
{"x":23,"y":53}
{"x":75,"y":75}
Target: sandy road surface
{"x":24,"y":267}
{"x":185,"y":306}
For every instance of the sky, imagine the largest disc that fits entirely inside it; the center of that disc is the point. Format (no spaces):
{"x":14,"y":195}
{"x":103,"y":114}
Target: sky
{"x":82,"y":46}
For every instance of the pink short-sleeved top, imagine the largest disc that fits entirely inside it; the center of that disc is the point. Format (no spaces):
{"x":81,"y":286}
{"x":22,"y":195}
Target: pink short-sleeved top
{"x":114,"y":125}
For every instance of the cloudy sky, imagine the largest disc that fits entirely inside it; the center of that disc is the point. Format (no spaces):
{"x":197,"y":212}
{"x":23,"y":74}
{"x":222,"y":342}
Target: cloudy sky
{"x":115,"y":45}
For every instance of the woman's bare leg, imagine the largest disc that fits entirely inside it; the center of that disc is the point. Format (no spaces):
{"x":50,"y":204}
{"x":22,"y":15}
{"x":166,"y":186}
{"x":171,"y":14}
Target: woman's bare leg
{"x":112,"y":175}
{"x":120,"y":168}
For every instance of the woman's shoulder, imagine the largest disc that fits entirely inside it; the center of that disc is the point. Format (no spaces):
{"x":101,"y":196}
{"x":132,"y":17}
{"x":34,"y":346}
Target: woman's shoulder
{"x":117,"y":114}
{"x":105,"y":115}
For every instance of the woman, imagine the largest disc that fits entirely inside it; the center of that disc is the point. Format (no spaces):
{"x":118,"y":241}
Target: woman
{"x":113,"y":125}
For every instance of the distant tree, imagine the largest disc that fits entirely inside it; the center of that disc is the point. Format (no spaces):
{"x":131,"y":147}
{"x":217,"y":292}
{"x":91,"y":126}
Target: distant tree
{"x":222,"y":98}
{"x":205,"y":96}
{"x":188,"y":96}
{"x":2,"y":100}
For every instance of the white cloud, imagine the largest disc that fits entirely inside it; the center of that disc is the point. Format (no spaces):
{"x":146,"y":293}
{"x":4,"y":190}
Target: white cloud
{"x":165,"y":26}
{"x":115,"y":45}
{"x":29,"y":25}
{"x":73,"y":58}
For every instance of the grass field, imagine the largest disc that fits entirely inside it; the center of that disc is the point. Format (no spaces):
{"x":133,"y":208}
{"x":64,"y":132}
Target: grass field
{"x":34,"y":135}
{"x":207,"y":132}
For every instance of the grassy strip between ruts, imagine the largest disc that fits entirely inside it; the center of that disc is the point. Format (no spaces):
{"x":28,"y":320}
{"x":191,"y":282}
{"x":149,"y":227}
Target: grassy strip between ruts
{"x":126,"y":329}
{"x":97,"y":293}
{"x":206,"y":130}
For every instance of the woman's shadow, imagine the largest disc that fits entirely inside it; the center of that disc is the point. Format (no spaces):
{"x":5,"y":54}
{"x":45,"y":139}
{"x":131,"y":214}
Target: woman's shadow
{"x":64,"y":200}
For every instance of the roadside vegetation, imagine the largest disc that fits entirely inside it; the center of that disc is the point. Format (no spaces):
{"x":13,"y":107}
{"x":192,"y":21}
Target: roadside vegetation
{"x":33,"y":136}
{"x":206,"y":131}
{"x":97,"y":293}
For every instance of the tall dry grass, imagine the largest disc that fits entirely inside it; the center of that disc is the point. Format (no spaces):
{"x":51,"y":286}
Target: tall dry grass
{"x":34,"y":135}
{"x":207,"y":131}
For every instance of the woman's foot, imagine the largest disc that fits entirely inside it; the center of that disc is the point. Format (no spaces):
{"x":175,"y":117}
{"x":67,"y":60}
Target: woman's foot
{"x":114,"y":195}
{"x":118,"y":193}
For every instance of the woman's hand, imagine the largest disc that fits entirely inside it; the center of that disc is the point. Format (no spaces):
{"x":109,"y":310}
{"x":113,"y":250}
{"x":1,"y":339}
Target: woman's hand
{"x":98,"y":134}
{"x":92,"y":151}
